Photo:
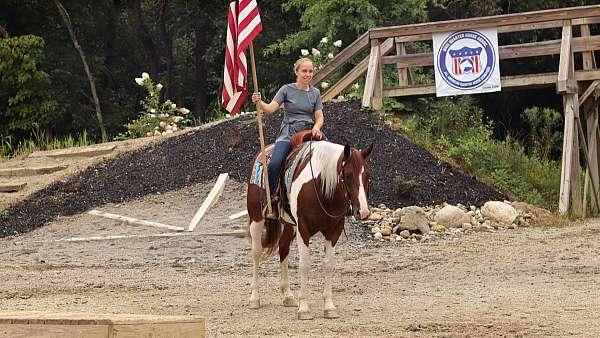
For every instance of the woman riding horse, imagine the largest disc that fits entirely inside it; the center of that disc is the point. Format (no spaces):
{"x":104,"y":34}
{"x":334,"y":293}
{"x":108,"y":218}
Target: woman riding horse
{"x":302,"y":110}
{"x":328,"y":180}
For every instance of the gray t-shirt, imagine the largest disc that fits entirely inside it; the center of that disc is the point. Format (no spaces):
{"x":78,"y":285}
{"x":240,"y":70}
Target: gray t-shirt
{"x":299,"y":107}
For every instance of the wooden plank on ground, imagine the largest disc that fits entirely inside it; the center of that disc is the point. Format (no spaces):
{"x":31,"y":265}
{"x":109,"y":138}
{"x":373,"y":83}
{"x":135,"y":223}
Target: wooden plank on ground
{"x":239,"y":214}
{"x":31,"y":171}
{"x":31,"y":324}
{"x":12,"y":186}
{"x":75,"y":152}
{"x":133,"y":221}
{"x":233,"y":233}
{"x":210,"y":200}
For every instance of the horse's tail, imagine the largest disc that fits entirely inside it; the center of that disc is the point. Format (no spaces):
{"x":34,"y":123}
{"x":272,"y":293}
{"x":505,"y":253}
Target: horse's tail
{"x":270,"y":238}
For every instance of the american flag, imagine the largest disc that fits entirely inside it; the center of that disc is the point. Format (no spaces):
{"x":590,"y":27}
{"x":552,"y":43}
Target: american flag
{"x":466,"y":60}
{"x":243,"y":25}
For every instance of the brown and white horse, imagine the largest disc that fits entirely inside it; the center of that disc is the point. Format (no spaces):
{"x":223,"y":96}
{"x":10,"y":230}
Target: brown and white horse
{"x":324,"y":184}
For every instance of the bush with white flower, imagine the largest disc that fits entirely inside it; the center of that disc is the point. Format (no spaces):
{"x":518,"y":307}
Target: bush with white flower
{"x":156,"y":118}
{"x":324,"y":52}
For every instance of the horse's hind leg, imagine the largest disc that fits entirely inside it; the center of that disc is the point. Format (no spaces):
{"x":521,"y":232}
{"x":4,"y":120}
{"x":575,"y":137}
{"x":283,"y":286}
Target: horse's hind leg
{"x":284,"y":250}
{"x":329,"y":309}
{"x":256,"y":229}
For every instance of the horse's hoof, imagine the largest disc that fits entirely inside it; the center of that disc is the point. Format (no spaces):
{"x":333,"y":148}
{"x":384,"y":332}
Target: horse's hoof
{"x":255,"y":304}
{"x":305,"y":316}
{"x":290,"y":302}
{"x":330,"y":314}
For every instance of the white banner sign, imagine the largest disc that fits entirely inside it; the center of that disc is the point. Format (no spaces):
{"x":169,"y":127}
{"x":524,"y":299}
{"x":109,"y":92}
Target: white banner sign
{"x":466,"y":62}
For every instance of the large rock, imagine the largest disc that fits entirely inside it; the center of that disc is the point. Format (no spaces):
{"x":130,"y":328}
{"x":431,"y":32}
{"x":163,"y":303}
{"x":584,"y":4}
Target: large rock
{"x":499,"y":212}
{"x":451,"y":216}
{"x":414,"y":218}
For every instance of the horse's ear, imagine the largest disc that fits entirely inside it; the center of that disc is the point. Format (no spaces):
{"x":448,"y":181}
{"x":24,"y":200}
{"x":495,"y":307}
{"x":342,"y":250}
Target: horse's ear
{"x":347,"y":152}
{"x":367,"y":151}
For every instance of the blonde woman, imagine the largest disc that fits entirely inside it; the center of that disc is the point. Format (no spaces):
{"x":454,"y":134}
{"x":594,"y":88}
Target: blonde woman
{"x":302,"y":110}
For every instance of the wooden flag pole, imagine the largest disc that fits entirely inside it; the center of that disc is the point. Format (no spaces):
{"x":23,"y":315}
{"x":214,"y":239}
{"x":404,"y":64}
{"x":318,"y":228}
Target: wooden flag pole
{"x":260,"y":131}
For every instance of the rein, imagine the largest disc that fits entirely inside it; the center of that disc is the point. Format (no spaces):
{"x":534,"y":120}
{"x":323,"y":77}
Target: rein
{"x":347,"y":193}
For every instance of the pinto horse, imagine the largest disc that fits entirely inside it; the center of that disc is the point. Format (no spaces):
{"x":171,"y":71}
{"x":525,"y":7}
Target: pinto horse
{"x":327,"y":181}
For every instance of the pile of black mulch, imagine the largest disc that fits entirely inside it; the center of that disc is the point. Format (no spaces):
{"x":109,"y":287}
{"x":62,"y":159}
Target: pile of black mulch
{"x":202,"y":155}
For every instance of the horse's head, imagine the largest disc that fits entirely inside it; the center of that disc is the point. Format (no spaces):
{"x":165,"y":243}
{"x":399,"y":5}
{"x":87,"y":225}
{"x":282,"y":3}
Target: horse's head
{"x":356,"y":175}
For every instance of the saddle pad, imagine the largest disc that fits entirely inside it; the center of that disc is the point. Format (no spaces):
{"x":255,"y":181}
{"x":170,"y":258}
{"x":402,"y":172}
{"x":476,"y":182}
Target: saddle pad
{"x":289,"y":172}
{"x":257,"y":171}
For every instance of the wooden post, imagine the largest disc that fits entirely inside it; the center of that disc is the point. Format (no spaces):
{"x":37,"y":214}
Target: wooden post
{"x":566,"y":85}
{"x":263,"y":156}
{"x":590,"y":109}
{"x":372,"y":75}
{"x":403,"y":74}
{"x":378,"y":89}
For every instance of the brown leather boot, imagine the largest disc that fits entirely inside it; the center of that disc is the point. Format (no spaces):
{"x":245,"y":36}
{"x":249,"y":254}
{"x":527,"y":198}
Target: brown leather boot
{"x":274,"y":215}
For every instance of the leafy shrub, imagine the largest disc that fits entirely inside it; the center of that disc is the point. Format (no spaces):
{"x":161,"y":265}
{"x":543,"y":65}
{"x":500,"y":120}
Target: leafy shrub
{"x":25,"y":91}
{"x":156,"y":118}
{"x":456,"y":129}
{"x":545,"y":134}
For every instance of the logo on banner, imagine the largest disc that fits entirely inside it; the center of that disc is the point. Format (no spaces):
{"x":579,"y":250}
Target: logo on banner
{"x":466,"y":60}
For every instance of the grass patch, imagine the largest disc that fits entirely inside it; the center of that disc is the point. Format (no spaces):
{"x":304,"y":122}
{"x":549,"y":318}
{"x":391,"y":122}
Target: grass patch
{"x":455,"y":129}
{"x":10,"y":148}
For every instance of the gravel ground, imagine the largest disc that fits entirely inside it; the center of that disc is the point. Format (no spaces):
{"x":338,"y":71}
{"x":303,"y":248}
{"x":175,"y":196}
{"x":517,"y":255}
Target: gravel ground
{"x":528,"y":282}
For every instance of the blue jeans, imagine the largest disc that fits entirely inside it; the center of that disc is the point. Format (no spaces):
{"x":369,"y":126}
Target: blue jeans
{"x":281,"y":151}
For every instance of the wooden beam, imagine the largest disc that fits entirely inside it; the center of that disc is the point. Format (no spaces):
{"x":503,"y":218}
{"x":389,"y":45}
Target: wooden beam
{"x":239,"y":214}
{"x":31,"y":171}
{"x":403,"y":73}
{"x":133,"y":221}
{"x":588,"y":92}
{"x":509,"y":29}
{"x":522,"y":50}
{"x":12,"y":186}
{"x":210,"y":200}
{"x":563,"y":85}
{"x":355,"y":73}
{"x":90,"y":151}
{"x":339,"y":60}
{"x":512,"y":82}
{"x":371,"y":76}
{"x":71,"y":325}
{"x":590,"y":113}
{"x":490,"y":21}
{"x":234,"y":233}
{"x":377,"y":100}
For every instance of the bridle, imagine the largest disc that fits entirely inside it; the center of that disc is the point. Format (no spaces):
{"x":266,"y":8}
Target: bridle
{"x":340,"y":178}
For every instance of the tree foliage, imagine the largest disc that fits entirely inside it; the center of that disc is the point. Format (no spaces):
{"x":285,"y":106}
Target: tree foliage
{"x":25,"y":93}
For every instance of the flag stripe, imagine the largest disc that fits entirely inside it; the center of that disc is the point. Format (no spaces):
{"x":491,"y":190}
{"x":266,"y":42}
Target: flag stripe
{"x":243,"y":25}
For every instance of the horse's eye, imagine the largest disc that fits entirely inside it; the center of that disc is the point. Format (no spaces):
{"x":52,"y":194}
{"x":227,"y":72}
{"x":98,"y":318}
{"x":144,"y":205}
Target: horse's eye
{"x":348,"y":177}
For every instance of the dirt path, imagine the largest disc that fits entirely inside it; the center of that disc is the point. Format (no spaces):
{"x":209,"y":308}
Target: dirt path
{"x":523,"y":282}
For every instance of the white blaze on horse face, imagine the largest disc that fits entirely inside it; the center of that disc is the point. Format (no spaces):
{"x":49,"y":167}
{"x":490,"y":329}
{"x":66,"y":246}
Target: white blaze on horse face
{"x":362,"y":197}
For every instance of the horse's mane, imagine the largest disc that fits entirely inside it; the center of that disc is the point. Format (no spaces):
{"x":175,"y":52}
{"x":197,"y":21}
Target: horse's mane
{"x":326,"y":155}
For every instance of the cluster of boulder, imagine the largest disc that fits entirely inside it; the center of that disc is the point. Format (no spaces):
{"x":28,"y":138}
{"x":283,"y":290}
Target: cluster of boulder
{"x":416,"y":224}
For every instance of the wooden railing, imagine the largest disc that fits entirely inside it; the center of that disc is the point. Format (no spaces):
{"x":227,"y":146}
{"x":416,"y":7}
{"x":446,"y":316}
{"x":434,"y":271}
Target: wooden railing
{"x":568,"y":81}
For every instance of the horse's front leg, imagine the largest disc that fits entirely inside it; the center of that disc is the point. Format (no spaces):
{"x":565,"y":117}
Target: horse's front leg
{"x":284,"y":251}
{"x":304,"y":262}
{"x":256,"y":229}
{"x":329,"y":309}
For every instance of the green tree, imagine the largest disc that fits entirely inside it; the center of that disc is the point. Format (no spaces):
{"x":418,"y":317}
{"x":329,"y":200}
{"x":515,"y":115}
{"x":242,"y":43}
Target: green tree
{"x":25,"y":93}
